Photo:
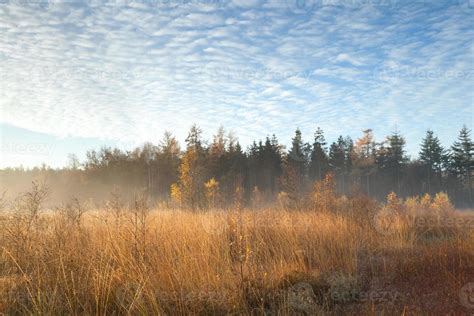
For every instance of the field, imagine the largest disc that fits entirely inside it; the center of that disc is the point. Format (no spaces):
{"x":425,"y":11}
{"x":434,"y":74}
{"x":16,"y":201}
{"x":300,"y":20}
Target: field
{"x":236,"y":157}
{"x":358,"y":257}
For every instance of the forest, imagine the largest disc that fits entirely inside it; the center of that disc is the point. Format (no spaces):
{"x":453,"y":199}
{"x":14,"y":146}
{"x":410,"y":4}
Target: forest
{"x":207,"y":174}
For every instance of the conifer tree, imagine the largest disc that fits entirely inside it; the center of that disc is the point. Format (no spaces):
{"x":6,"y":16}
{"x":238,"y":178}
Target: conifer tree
{"x":337,"y":161}
{"x":364,"y":154}
{"x":296,"y":155}
{"x":194,"y":139}
{"x":396,"y":158}
{"x":192,"y":171}
{"x":431,"y":157}
{"x":462,"y":153}
{"x":168,"y":163}
{"x":272,"y":163}
{"x":319,"y":162}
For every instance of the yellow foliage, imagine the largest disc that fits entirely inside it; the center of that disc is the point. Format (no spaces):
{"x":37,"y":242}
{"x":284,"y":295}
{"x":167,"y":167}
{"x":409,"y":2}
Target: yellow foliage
{"x":394,"y":204}
{"x":412,"y":204}
{"x":212,"y":191}
{"x":441,"y":204}
{"x":176,"y":193}
{"x":324,"y":196}
{"x":425,"y":202}
{"x":190,"y":179}
{"x":212,"y":185}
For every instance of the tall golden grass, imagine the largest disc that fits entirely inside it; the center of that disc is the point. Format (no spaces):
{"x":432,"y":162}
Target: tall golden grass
{"x":136,"y":260}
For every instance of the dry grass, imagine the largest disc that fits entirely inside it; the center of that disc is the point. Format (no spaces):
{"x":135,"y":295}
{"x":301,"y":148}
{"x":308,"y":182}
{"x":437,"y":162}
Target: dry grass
{"x":267,"y":262}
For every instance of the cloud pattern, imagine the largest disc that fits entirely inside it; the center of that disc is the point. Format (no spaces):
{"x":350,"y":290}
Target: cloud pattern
{"x":127,"y":70}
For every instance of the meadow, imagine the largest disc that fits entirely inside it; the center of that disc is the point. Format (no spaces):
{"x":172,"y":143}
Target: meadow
{"x":342,"y":255}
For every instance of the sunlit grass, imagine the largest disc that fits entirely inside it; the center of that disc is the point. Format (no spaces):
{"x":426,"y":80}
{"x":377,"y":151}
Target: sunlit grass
{"x":140,"y":261}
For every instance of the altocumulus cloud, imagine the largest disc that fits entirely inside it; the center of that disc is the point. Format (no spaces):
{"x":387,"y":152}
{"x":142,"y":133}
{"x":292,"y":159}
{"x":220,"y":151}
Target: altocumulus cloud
{"x":132,"y":69}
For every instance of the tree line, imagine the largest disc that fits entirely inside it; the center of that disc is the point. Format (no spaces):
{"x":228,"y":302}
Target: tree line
{"x":218,"y":171}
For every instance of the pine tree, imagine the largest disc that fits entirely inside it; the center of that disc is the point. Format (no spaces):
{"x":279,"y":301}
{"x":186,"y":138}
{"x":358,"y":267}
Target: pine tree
{"x":194,"y":139}
{"x":233,"y":168}
{"x":396,"y":158}
{"x":296,"y":155}
{"x":253,"y":157}
{"x":319,"y":162}
{"x":391,"y":159}
{"x":168,"y":160}
{"x":349,"y":154}
{"x":337,"y":155}
{"x":348,"y":146}
{"x":272,"y":163}
{"x":462,"y":162}
{"x":337,"y":161}
{"x":431,"y":156}
{"x":238,"y":164}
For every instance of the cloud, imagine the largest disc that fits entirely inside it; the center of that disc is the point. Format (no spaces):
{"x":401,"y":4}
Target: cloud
{"x":108,"y":71}
{"x":348,"y":59}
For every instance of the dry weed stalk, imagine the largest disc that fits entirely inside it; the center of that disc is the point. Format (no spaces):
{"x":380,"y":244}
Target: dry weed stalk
{"x":134,"y":260}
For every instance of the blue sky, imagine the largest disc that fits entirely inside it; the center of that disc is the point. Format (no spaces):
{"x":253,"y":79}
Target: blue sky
{"x":79,"y":74}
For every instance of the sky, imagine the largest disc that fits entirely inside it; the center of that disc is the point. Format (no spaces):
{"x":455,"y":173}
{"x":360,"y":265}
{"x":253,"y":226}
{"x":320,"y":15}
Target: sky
{"x":76,"y":75}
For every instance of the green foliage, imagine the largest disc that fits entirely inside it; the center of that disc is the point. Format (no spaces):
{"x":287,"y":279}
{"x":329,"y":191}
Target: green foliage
{"x":370,"y":167}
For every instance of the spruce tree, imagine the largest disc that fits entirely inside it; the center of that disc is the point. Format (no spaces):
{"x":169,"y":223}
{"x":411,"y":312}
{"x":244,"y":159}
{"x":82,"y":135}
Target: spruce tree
{"x":337,"y":160}
{"x":337,"y":155}
{"x":296,"y":154}
{"x":396,"y":158}
{"x":431,"y":156}
{"x":462,"y":152}
{"x":319,"y":164}
{"x":168,"y":163}
{"x":194,"y":139}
